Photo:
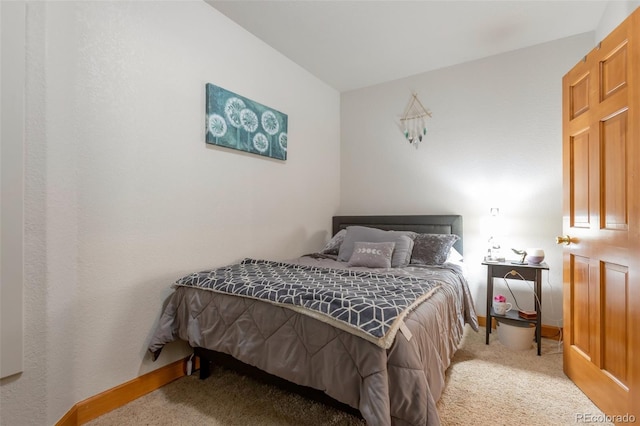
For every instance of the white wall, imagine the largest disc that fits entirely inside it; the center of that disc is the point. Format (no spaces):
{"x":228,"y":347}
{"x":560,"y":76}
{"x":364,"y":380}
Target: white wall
{"x":11,"y":190}
{"x":495,"y":140}
{"x":122,"y":195}
{"x":614,"y":14}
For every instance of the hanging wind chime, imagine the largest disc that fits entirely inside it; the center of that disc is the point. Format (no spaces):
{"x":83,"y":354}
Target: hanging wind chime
{"x":413,"y":121}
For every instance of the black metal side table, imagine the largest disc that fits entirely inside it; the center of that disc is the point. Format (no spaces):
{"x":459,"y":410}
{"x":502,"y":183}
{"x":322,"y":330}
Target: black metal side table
{"x":508,"y":270}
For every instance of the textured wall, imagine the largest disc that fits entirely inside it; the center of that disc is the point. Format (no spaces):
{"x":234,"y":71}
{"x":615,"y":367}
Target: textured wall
{"x":495,"y":140}
{"x":12,"y":15}
{"x":123,"y":196}
{"x":614,"y":14}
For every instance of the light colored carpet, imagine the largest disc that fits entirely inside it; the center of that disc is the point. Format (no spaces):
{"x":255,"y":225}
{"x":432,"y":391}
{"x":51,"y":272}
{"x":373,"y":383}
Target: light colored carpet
{"x":486,"y":385}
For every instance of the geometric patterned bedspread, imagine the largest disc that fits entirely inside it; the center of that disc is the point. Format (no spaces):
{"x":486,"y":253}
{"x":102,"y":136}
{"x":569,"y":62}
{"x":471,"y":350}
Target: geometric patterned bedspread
{"x":368,"y":304}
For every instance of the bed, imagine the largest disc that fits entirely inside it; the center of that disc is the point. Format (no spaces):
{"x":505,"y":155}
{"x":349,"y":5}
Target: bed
{"x":392,"y":372}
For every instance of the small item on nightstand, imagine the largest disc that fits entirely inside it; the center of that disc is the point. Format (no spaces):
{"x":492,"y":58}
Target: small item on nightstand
{"x":530,"y":315}
{"x":535,"y":256}
{"x":500,"y":305}
{"x":522,"y":254}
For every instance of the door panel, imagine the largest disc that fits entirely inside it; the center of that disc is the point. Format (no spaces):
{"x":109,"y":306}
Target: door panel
{"x":601,"y":163}
{"x":615,"y":318}
{"x":580,"y":180}
{"x":581,"y":319}
{"x":613,"y":72}
{"x":579,"y":94}
{"x":613,"y":171}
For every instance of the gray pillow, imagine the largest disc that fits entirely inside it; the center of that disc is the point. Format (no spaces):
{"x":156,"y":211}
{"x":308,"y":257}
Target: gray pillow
{"x":372,"y":255}
{"x":401,"y":253}
{"x":334,"y":243}
{"x":432,"y":249}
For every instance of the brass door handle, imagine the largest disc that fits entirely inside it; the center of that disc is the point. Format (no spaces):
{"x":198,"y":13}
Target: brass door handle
{"x":565,"y":239}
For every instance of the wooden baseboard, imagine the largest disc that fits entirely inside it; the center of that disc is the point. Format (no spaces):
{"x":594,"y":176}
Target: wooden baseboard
{"x":118,"y":396}
{"x":548,"y":331}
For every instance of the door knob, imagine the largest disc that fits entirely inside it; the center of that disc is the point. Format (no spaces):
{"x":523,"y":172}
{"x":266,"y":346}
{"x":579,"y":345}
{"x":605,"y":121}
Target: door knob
{"x":566,"y":240}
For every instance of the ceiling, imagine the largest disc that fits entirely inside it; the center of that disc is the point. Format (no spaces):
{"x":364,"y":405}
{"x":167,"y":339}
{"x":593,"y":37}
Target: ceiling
{"x":354,"y":44}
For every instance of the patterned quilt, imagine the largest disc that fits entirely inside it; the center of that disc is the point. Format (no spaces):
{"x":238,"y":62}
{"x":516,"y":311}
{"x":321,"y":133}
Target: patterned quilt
{"x":370,"y":305}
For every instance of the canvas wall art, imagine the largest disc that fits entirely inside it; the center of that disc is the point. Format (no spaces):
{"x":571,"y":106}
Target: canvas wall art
{"x":234,"y":121}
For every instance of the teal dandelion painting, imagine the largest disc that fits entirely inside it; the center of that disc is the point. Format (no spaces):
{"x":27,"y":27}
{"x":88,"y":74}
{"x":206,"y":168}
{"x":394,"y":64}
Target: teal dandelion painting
{"x":233,"y":121}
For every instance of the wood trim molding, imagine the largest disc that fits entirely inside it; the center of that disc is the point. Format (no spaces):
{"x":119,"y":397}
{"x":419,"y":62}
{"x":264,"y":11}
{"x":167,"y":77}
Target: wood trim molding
{"x":116,"y":397}
{"x":547,"y":331}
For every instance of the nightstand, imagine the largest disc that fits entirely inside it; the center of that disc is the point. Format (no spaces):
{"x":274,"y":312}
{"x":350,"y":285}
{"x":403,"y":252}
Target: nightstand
{"x":509,"y":270}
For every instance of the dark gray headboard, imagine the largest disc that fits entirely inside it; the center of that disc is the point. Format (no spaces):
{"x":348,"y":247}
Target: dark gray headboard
{"x":423,"y":224}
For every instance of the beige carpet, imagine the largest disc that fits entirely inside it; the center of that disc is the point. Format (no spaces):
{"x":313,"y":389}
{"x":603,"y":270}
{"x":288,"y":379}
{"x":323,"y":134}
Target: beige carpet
{"x":486,"y":385}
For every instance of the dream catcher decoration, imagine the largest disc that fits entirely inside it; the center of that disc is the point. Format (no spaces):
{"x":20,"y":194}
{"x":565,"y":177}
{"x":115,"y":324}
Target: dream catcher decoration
{"x":413,"y":122}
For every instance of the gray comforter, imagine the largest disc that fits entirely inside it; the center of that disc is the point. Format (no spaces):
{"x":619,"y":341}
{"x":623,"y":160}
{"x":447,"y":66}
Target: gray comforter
{"x":398,"y":386}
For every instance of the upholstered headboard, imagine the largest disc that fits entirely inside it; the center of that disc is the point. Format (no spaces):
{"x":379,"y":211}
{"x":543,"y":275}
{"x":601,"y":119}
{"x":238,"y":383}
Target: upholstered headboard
{"x":423,"y":224}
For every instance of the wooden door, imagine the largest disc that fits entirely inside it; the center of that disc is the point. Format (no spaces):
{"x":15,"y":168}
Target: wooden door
{"x":601,"y":172}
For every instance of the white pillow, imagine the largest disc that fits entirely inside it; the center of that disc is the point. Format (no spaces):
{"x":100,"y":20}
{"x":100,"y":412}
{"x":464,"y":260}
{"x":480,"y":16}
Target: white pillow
{"x":454,"y":256}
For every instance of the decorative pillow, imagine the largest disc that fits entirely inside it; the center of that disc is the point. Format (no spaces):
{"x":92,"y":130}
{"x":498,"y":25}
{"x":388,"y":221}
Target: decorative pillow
{"x":405,"y":242}
{"x":372,"y":255}
{"x":334,"y":243}
{"x":401,"y":253}
{"x":432,"y":249}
